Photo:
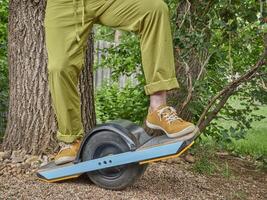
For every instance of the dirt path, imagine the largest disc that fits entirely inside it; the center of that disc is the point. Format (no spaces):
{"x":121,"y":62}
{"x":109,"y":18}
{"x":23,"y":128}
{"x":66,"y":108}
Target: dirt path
{"x":161,"y":181}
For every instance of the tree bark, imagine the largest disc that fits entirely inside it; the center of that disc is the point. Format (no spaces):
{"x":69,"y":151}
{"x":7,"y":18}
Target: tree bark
{"x":87,"y":89}
{"x":31,"y":120}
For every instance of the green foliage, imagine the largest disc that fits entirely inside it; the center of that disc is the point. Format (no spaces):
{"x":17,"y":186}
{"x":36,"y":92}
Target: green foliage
{"x":130,"y":102}
{"x":204,"y":166}
{"x":104,"y":33}
{"x":206,"y":160}
{"x":204,"y":152}
{"x":231,"y":32}
{"x":3,"y":55}
{"x":254,"y":144}
{"x":124,"y":58}
{"x":113,"y":102}
{"x":3,"y":64}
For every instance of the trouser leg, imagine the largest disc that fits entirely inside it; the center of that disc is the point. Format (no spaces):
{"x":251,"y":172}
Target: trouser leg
{"x":150,"y":19}
{"x":65,"y":42}
{"x":65,"y":50}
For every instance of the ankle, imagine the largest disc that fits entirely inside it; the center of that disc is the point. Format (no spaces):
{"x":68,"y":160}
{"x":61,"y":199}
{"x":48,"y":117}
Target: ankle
{"x":157,"y":99}
{"x":155,"y":107}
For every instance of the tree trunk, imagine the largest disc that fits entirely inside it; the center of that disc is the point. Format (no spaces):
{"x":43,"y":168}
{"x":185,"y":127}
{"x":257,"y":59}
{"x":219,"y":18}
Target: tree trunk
{"x":31,"y":120}
{"x":87,"y":89}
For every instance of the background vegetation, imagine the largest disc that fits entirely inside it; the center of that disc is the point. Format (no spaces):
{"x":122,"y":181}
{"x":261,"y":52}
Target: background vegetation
{"x":231,"y":34}
{"x":3,"y":65}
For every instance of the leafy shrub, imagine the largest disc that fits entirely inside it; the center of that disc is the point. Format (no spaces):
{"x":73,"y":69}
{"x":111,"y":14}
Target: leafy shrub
{"x":113,"y":102}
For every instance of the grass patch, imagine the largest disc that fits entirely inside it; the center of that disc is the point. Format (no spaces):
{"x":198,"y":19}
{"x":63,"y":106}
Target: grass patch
{"x":204,"y":166}
{"x":255,"y":142}
{"x":207,"y":162}
{"x":225,"y":170}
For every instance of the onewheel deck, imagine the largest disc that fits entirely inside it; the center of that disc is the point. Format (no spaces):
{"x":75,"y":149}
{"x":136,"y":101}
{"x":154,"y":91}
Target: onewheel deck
{"x":158,"y":148}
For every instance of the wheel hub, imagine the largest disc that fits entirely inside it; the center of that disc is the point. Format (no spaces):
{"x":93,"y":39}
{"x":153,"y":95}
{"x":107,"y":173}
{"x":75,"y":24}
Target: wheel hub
{"x":106,"y":150}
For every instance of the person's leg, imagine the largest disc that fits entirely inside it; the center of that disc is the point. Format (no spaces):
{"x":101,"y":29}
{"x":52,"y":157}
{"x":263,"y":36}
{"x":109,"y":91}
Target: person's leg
{"x":66,"y":38}
{"x":157,"y":99}
{"x":150,"y":20}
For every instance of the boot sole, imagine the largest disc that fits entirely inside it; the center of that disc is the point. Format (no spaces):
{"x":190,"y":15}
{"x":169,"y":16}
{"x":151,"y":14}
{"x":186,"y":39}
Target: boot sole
{"x":181,"y":133}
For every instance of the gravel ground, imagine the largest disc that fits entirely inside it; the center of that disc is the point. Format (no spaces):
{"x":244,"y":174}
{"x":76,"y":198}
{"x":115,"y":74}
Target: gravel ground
{"x":160,"y":181}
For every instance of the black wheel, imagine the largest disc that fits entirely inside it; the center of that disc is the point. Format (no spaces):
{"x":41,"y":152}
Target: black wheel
{"x":116,"y":178}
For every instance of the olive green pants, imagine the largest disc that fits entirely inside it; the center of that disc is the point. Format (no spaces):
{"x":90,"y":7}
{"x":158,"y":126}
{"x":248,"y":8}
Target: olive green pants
{"x":68,"y":24}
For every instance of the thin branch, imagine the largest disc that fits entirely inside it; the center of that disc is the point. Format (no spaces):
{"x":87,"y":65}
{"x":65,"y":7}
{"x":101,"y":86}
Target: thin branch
{"x":187,"y":10}
{"x":227,"y":91}
{"x":263,"y":85}
{"x":203,"y":66}
{"x":190,"y":89}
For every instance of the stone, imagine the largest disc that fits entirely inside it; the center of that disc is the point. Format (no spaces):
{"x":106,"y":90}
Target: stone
{"x":6,"y":161}
{"x":177,"y":160}
{"x":35,"y":164}
{"x":18,"y":165}
{"x":12,"y":165}
{"x":18,"y":156}
{"x":169,"y":161}
{"x":45,"y":159}
{"x":5,"y":155}
{"x":26,"y":166}
{"x":19,"y":170}
{"x":189,"y":158}
{"x":13,"y":171}
{"x":43,"y":163}
{"x":32,"y":159}
{"x":2,"y":167}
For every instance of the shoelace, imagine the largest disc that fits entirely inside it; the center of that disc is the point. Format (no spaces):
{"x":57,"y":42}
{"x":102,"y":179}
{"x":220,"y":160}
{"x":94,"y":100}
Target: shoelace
{"x":64,"y":146}
{"x":169,"y":114}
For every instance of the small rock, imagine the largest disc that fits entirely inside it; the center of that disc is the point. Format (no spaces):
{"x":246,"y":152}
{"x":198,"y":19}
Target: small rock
{"x":18,"y":156}
{"x":26,"y":166}
{"x":19,"y":170}
{"x":177,"y":160}
{"x":43,"y":163}
{"x":5,"y":155}
{"x":6,"y":161}
{"x":2,"y":167}
{"x":45,"y":159}
{"x":14,"y":171}
{"x":18,"y":165}
{"x":12,"y":165}
{"x":32,"y":159}
{"x":222,"y":153}
{"x":189,"y":158}
{"x":169,"y":161}
{"x":35,"y":164}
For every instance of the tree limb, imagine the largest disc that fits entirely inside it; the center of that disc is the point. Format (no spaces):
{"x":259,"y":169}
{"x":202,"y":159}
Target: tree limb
{"x":224,"y":94}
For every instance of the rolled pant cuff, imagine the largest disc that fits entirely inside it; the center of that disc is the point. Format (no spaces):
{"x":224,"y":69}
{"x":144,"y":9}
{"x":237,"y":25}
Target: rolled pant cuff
{"x":69,"y":138}
{"x":161,"y":86}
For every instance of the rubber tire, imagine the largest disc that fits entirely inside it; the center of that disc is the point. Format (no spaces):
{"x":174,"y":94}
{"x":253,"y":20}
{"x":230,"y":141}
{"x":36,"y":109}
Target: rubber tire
{"x":130,"y":173}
